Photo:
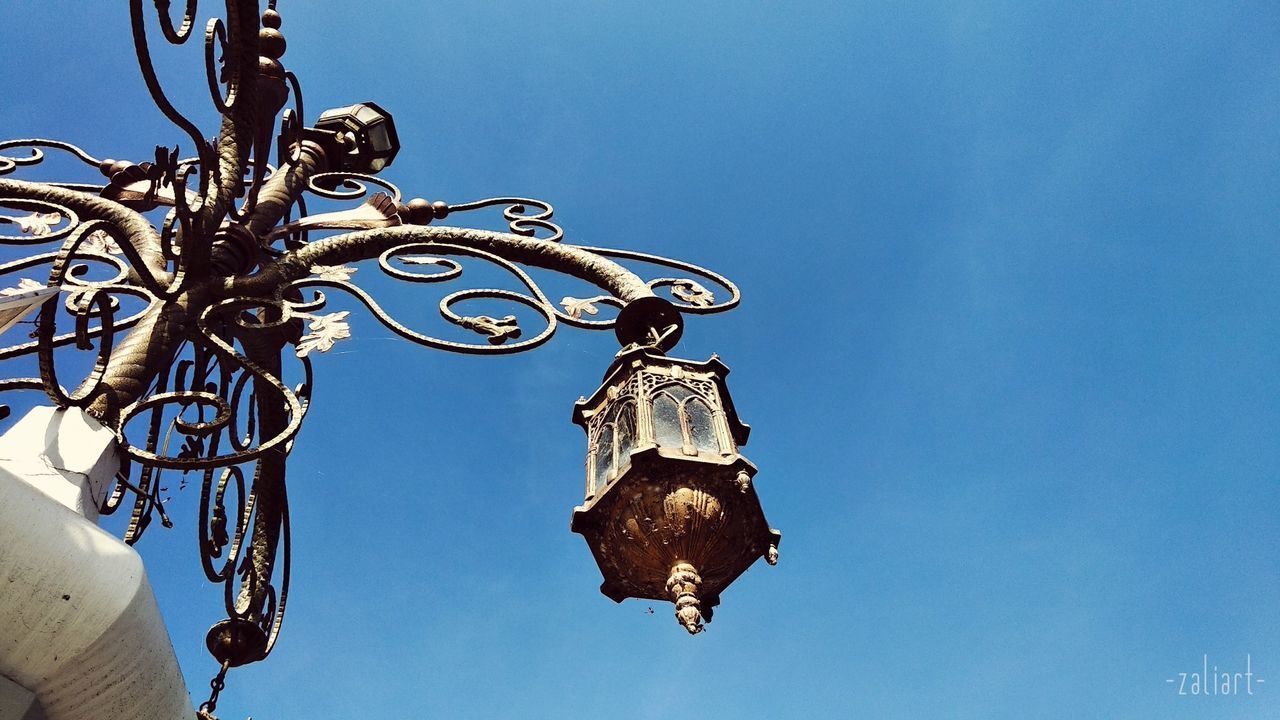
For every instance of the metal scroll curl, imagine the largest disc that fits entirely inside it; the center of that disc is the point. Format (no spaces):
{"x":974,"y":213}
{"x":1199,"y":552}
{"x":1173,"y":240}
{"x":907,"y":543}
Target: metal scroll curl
{"x":70,"y":265}
{"x":450,"y":269}
{"x":87,"y":301}
{"x":222,"y":533}
{"x":220,"y":402}
{"x":9,"y":164}
{"x":215,"y":31}
{"x":203,"y":403}
{"x":349,"y":185}
{"x":689,"y":294}
{"x":524,"y":216}
{"x":93,"y":306}
{"x":45,"y":221}
{"x":83,"y":312}
{"x":158,"y":96}
{"x":225,"y":77}
{"x":85,"y":307}
{"x":497,"y":330}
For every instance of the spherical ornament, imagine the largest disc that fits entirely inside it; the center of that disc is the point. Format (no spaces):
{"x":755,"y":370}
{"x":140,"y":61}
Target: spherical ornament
{"x":420,"y":212}
{"x":271,"y":68}
{"x":271,"y":43}
{"x":440,"y":209}
{"x":271,"y":19}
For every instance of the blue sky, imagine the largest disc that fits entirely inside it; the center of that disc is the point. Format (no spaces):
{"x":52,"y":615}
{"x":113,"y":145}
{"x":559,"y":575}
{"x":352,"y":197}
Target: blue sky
{"x":1008,"y":347}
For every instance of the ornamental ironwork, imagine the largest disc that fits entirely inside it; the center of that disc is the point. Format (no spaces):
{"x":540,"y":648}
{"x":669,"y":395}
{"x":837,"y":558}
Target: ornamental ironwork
{"x":196,"y":283}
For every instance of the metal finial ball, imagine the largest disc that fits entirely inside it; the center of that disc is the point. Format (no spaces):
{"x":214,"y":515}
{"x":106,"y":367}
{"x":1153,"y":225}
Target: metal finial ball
{"x":271,"y":19}
{"x":270,"y":67}
{"x":271,"y":43}
{"x":420,"y":212}
{"x":440,"y":209}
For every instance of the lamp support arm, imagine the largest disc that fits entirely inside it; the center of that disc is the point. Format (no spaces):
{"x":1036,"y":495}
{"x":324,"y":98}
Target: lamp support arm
{"x":135,"y":227}
{"x":606,"y":274}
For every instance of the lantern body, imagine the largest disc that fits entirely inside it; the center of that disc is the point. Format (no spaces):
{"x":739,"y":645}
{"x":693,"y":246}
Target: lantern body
{"x":670,"y":512}
{"x":364,"y":134}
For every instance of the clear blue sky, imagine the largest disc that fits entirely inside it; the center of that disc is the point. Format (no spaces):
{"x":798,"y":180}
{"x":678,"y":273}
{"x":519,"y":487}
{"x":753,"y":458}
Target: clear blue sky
{"x":1008,"y":345}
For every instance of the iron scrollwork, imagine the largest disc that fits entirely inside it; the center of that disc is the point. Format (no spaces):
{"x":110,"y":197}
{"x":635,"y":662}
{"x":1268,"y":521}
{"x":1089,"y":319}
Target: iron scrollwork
{"x":225,"y":273}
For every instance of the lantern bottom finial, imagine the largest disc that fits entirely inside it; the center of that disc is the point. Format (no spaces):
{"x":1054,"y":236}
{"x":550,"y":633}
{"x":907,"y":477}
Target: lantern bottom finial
{"x":683,"y":586}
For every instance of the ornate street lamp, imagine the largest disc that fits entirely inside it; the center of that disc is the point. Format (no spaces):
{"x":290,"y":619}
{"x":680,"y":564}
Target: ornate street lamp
{"x":224,"y":266}
{"x":671,"y":513}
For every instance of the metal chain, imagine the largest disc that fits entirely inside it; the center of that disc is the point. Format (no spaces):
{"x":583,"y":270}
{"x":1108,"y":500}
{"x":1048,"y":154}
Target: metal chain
{"x":216,"y":685}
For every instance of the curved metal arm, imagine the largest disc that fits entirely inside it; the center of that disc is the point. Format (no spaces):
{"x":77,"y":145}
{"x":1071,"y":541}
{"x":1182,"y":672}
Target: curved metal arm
{"x":144,"y":238}
{"x":283,"y":188}
{"x":368,"y":244}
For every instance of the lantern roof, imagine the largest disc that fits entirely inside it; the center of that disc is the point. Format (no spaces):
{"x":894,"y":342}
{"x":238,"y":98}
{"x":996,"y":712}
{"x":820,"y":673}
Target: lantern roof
{"x":636,"y":359}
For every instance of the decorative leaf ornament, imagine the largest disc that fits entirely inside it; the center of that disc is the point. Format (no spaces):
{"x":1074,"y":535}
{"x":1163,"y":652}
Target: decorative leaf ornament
{"x":337,"y":273}
{"x":692,"y":292}
{"x":25,"y":285}
{"x":325,"y":331}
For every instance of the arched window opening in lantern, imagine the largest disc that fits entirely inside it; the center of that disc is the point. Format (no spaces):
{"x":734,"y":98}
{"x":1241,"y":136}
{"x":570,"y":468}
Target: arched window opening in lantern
{"x":603,"y":458}
{"x":615,"y":440}
{"x":682,"y":419}
{"x":624,"y":424}
{"x":700,"y":422}
{"x":667,"y":427}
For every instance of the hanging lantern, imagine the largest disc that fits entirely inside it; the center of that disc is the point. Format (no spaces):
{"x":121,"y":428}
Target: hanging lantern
{"x":359,"y":138}
{"x":671,"y":512}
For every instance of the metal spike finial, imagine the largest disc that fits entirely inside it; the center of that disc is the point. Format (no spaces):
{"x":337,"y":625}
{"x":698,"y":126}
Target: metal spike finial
{"x":683,"y":586}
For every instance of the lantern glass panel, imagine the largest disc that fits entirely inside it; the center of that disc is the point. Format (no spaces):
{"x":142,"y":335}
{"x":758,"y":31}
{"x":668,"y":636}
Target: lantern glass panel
{"x":625,"y":426}
{"x":336,"y":113}
{"x":604,"y":457}
{"x":366,"y":115}
{"x":702,"y":429}
{"x":378,"y":138}
{"x":666,"y":419}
